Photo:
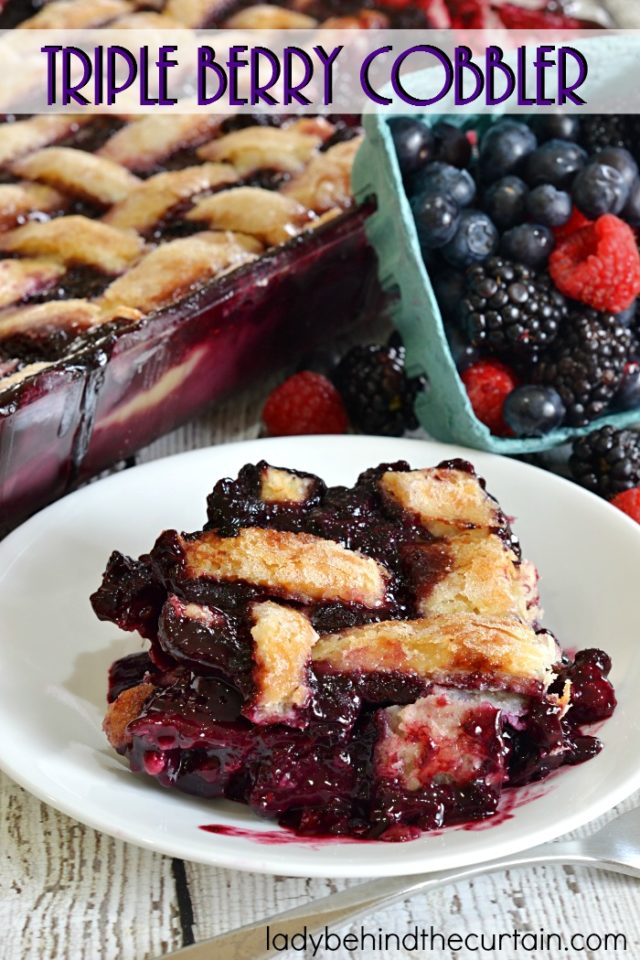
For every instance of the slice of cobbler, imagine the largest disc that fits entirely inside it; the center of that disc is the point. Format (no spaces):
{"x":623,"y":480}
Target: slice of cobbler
{"x":362,"y":660}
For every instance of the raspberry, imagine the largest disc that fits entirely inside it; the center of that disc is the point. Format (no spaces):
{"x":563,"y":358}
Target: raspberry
{"x":629,"y":503}
{"x":488,"y":384}
{"x":599,"y":265}
{"x":576,"y":222}
{"x":305,"y":403}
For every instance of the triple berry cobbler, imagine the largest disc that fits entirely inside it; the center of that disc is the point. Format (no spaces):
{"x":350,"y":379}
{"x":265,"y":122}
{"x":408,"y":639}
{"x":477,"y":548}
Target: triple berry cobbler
{"x":365,"y":661}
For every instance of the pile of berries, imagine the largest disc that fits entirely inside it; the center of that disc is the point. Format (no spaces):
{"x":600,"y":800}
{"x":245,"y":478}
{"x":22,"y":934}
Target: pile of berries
{"x":367,"y":389}
{"x":530,"y":238}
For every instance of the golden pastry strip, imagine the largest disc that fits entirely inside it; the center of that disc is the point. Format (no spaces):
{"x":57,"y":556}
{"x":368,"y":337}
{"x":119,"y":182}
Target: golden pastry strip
{"x":75,"y":14}
{"x":122,"y":711}
{"x":295,"y":565}
{"x":445,"y":501}
{"x":268,"y":216}
{"x":71,"y":314}
{"x":255,"y":148}
{"x":470,"y":575}
{"x":264,"y":16}
{"x":282,"y":486}
{"x":76,"y":240}
{"x":148,"y":141}
{"x":282,"y":642}
{"x":24,"y":136}
{"x":196,"y":13}
{"x":503,"y":651}
{"x":156,"y":197}
{"x":326,"y":181}
{"x":174,"y":269}
{"x":23,"y":278}
{"x":17,"y":377}
{"x":19,"y":200}
{"x":78,"y":173}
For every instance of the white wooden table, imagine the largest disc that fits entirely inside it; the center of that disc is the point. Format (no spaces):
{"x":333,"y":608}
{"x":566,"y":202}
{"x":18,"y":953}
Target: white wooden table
{"x":69,"y":893}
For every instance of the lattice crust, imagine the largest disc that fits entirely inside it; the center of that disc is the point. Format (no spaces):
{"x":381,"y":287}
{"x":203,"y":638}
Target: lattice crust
{"x":467,"y":574}
{"x":196,"y":13}
{"x":282,"y":642}
{"x":255,"y":148}
{"x":24,"y":278}
{"x":175,"y":269}
{"x":156,"y":197}
{"x":76,"y":240}
{"x":123,"y":711}
{"x":24,"y":136}
{"x":268,"y":216}
{"x":78,"y":173}
{"x":283,"y":486}
{"x":264,"y":16}
{"x":297,"y":566}
{"x":85,"y":199}
{"x":499,"y":652}
{"x":446,"y":501}
{"x":145,"y":143}
{"x":71,"y":314}
{"x":326,"y":182}
{"x":19,"y":200}
{"x":75,"y":14}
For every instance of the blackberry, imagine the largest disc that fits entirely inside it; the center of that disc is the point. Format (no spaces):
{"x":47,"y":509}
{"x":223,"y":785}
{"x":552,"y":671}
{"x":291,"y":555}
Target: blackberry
{"x":378,"y":395}
{"x":602,"y":130}
{"x":509,"y":309}
{"x":586,"y":363}
{"x":607,"y":461}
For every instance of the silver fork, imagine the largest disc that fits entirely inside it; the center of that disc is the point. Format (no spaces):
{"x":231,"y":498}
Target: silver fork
{"x":615,"y":847}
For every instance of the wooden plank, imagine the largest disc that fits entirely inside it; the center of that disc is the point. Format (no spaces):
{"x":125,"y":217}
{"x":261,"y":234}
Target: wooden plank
{"x":70,"y":893}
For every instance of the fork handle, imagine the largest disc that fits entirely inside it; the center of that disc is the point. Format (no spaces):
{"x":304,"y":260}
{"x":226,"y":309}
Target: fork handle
{"x":252,"y":942}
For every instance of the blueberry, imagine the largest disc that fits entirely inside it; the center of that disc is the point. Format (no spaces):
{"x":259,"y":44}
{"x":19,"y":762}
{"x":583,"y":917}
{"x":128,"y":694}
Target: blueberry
{"x":503,"y":147}
{"x":528,"y":243}
{"x":628,"y":396}
{"x":452,"y":145}
{"x":600,"y":189}
{"x":504,"y":201}
{"x":631,"y":210}
{"x":437,"y":218}
{"x":555,"y":126}
{"x":548,"y":205}
{"x":622,"y":160}
{"x":413,"y":141}
{"x":474,"y":241}
{"x":463,"y":353}
{"x":555,"y":162}
{"x":444,"y":179}
{"x":532,"y":411}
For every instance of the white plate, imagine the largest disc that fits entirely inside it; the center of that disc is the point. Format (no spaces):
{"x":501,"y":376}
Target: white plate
{"x":54,"y":655}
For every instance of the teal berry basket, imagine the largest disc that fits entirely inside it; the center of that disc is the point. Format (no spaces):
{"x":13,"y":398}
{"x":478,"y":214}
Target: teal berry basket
{"x":443,"y":409}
